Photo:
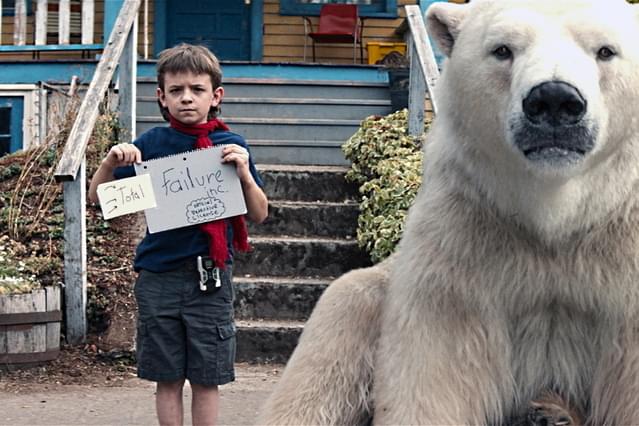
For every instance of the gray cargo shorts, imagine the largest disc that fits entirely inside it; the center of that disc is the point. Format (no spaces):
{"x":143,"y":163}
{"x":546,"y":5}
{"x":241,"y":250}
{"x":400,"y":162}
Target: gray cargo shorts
{"x":182,"y":331}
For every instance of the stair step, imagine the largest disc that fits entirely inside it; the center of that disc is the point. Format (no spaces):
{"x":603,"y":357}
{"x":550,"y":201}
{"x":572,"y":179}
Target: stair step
{"x":274,"y":88}
{"x":266,"y":341}
{"x":276,"y":297}
{"x":287,"y":101}
{"x":306,"y":183}
{"x":294,"y":256}
{"x":309,"y":218}
{"x":276,"y":109}
{"x":307,"y":153}
{"x":282,"y":128}
{"x":300,"y":101}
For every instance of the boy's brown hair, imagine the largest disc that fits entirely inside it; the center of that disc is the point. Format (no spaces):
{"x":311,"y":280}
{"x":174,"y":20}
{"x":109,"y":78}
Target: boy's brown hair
{"x":189,"y":58}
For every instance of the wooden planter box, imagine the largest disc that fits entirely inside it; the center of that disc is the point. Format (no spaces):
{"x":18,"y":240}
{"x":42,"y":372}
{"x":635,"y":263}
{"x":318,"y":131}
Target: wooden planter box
{"x":30,"y":326}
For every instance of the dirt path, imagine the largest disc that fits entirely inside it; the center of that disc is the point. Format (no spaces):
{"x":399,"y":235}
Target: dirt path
{"x":131,"y":403}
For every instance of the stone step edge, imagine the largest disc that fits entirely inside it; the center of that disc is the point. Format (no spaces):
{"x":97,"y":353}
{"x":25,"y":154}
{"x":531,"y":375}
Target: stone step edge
{"x":263,"y":239}
{"x":301,"y":168}
{"x":275,"y":280}
{"x":317,"y":203}
{"x":269,"y":325}
{"x":290,"y":101}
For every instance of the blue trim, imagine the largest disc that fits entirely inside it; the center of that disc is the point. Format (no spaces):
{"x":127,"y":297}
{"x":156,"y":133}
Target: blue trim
{"x":17,"y":110}
{"x":257,"y":22}
{"x":111,"y":11}
{"x":30,"y":72}
{"x":295,"y":8}
{"x":159,"y":26}
{"x":50,"y":47}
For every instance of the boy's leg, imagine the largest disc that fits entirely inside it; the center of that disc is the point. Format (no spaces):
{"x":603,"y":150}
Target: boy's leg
{"x":204,"y":406}
{"x":168,"y":403}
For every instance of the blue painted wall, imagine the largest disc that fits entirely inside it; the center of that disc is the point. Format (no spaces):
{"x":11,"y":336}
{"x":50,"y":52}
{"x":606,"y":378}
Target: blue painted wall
{"x":439,"y":56}
{"x":111,"y":11}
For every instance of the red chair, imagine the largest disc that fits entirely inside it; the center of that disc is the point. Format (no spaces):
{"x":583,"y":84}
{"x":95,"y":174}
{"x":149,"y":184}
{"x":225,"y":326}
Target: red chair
{"x":338,"y":23}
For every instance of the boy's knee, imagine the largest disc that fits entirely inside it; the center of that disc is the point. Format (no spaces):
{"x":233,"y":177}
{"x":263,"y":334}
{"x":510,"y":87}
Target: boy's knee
{"x":170,"y":387}
{"x":203,"y":388}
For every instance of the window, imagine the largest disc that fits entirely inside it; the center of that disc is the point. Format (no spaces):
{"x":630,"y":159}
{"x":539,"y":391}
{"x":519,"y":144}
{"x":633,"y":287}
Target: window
{"x":11,"y":111}
{"x":5,"y":130}
{"x":9,"y":7}
{"x":367,"y":8}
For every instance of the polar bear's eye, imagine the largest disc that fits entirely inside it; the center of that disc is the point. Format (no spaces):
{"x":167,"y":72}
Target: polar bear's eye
{"x":605,"y":53}
{"x":502,"y":53}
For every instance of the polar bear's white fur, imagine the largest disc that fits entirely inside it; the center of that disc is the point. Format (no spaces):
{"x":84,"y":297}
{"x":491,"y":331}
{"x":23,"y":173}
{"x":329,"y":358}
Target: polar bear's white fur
{"x":519,"y":267}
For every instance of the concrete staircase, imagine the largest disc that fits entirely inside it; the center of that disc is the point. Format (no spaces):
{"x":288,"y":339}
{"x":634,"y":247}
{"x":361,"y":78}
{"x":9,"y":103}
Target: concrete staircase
{"x":306,"y":242}
{"x":287,"y":121}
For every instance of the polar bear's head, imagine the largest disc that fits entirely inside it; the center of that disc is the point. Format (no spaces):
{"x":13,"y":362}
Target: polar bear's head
{"x":546,"y":91}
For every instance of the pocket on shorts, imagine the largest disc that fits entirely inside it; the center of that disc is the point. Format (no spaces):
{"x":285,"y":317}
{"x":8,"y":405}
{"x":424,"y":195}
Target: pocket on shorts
{"x":226,"y":350}
{"x":141,"y":345}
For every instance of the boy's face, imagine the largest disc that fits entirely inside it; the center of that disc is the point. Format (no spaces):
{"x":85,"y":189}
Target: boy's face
{"x":189,"y":96}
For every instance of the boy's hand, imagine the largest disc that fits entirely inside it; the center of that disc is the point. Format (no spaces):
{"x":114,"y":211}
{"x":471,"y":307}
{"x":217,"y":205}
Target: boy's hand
{"x":240,"y":156}
{"x":123,"y":154}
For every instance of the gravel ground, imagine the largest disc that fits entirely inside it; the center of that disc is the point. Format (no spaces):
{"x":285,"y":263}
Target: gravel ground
{"x":129,"y":403}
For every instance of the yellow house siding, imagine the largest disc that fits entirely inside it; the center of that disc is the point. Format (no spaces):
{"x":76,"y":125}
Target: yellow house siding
{"x":284,"y":36}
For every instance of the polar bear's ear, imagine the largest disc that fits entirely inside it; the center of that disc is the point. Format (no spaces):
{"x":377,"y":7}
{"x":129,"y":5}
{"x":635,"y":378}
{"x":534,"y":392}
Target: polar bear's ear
{"x":443,"y":21}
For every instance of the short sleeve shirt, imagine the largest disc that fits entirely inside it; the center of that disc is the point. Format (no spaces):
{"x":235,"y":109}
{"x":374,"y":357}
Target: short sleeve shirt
{"x":167,"y":250}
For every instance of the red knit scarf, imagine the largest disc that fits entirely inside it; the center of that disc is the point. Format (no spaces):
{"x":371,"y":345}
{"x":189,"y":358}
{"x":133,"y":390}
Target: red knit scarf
{"x":216,"y":230}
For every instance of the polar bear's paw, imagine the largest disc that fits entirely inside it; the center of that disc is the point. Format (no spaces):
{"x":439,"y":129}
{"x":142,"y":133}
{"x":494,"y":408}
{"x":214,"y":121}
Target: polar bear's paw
{"x":552,"y":410}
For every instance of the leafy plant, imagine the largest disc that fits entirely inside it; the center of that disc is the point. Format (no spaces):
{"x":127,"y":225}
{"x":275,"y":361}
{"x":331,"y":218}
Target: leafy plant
{"x":31,"y":205}
{"x":386,"y":163}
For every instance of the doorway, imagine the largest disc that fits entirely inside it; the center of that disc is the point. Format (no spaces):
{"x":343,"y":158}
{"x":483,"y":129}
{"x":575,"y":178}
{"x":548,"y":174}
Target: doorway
{"x":224,"y":26}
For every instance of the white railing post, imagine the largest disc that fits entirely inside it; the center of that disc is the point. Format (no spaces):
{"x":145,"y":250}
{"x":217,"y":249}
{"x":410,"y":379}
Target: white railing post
{"x":75,"y":256}
{"x":423,"y":70}
{"x":88,"y":18}
{"x":20,"y":23}
{"x":71,"y":169}
{"x":64,"y":21}
{"x":41,"y":22}
{"x":127,"y":71}
{"x":146,"y":29}
{"x":416,"y":92}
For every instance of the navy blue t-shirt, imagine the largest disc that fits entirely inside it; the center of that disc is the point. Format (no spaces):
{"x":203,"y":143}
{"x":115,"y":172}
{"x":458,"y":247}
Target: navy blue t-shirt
{"x":167,"y":250}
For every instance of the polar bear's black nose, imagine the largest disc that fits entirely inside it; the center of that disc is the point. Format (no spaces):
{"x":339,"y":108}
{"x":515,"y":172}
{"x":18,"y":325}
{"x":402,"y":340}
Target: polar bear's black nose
{"x":554,"y":103}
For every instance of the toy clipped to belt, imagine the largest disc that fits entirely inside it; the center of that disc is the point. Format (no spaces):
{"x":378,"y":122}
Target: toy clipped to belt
{"x":209,"y":274}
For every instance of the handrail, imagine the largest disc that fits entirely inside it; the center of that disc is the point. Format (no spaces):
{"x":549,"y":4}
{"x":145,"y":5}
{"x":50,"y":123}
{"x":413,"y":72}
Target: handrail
{"x":120,"y":52}
{"x":78,"y":139}
{"x":423,"y":70}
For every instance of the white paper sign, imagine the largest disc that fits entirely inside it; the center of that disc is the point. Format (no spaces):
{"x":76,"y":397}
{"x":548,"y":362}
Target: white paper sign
{"x":126,"y":196}
{"x":191,"y":188}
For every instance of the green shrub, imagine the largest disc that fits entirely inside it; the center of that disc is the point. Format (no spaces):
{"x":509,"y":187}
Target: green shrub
{"x":386,"y":164}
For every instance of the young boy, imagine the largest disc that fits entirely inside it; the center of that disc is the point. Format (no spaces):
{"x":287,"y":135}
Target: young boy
{"x":183,"y":332}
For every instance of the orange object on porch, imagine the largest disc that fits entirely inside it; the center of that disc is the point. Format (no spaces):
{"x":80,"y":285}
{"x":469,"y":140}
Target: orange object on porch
{"x":338,"y":23}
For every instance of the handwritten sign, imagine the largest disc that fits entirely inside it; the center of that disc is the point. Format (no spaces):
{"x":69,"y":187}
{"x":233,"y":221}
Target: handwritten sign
{"x":126,"y":196}
{"x":191,"y":188}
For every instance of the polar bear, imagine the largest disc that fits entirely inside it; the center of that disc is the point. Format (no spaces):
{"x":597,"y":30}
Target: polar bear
{"x":518,"y":272}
